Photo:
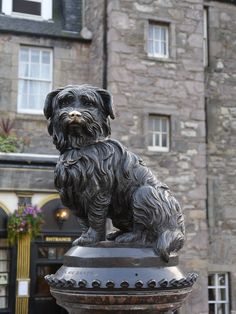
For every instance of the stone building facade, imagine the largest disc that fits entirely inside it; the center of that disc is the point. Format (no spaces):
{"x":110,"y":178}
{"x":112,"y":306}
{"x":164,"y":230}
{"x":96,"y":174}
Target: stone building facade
{"x":188,"y":87}
{"x":221,"y":136}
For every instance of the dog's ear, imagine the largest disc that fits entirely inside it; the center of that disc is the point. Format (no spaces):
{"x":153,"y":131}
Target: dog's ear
{"x":107,"y":101}
{"x":48,"y":104}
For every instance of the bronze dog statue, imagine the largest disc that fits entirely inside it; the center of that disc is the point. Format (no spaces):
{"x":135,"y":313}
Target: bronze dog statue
{"x":97,"y":177}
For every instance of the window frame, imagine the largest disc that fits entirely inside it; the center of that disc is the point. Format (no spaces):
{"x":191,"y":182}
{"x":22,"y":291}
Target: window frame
{"x":46,"y":10}
{"x":155,"y":148}
{"x":7,"y":272}
{"x":32,"y":110}
{"x":216,"y":287}
{"x":161,"y":25}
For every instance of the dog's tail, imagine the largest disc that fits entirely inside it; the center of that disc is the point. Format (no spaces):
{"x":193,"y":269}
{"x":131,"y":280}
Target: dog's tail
{"x":167,"y":242}
{"x":160,"y":213}
{"x":171,"y":239}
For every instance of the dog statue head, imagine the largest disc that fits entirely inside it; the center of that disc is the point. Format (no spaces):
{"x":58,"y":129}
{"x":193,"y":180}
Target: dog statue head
{"x":78,"y":115}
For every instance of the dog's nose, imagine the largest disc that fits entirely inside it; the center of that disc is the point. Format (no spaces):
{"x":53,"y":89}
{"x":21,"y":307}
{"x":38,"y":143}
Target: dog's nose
{"x":75,"y":114}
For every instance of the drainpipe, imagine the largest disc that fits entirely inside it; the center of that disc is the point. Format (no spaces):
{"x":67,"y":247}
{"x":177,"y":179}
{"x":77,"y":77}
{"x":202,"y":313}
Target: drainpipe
{"x":105,"y":53}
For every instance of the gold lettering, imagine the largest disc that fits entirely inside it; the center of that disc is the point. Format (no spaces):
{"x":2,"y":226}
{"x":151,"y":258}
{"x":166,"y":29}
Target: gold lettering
{"x":58,"y":239}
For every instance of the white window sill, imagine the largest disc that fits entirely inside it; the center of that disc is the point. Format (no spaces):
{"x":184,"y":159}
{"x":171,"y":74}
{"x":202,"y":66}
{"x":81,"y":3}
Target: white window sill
{"x":28,"y":17}
{"x":30,"y":112}
{"x":160,"y":59}
{"x":158,"y":149}
{"x":157,"y":56}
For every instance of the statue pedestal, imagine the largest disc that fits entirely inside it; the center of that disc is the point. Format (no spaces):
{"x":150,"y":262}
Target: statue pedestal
{"x":119,"y":279}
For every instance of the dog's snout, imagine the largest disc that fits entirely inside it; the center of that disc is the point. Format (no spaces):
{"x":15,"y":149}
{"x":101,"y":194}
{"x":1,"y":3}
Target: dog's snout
{"x":75,"y":114}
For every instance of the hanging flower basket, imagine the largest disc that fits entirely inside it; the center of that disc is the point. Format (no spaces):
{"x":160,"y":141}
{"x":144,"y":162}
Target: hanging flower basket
{"x":24,"y":221}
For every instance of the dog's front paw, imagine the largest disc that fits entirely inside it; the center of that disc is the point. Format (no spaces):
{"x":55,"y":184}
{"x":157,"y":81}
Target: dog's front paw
{"x":113,"y":235}
{"x":89,"y":237}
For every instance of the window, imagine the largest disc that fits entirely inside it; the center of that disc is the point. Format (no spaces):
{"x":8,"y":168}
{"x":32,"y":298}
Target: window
{"x":205,"y":37}
{"x":39,"y":9}
{"x":158,"y":133}
{"x":158,"y":40}
{"x":218,"y":293}
{"x":4,"y":275}
{"x":35,"y":78}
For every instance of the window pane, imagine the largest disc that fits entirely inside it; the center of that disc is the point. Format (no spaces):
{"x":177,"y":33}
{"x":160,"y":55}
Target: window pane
{"x":162,"y":48}
{"x":41,"y":100}
{"x":222,"y":294}
{"x":34,"y":88}
{"x":150,"y":47}
{"x":3,"y":302}
{"x":164,"y":125}
{"x":4,"y":266}
{"x":43,"y":252}
{"x":163,"y":33}
{"x":211,"y":280}
{"x":34,"y":70}
{"x":156,"y":47}
{"x":22,"y":101}
{"x":164,"y":140}
{"x":23,"y":84}
{"x":45,"y":72}
{"x":4,"y":255}
{"x":211,"y":295}
{"x":26,"y":6}
{"x":157,"y":124}
{"x":35,"y":56}
{"x":52,"y":253}
{"x":150,"y":139}
{"x":3,"y":291}
{"x":212,"y":309}
{"x":44,"y":88}
{"x":24,"y":69}
{"x":221,"y":309}
{"x":150,"y":32}
{"x":46,"y":57}
{"x":33,"y":99}
{"x":61,"y":252}
{"x":157,"y":33}
{"x":157,"y":140}
{"x":24,"y":55}
{"x":150,"y":124}
{"x":221,"y":280}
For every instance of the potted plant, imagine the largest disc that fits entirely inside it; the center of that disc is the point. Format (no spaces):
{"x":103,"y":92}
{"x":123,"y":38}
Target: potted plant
{"x":9,"y":142}
{"x":25,"y":221}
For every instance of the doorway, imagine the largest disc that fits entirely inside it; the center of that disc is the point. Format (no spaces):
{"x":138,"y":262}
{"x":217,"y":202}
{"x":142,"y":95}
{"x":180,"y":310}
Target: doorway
{"x":47,"y":253}
{"x":46,"y":258}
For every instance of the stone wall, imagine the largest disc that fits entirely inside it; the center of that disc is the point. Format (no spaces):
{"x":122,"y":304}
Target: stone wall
{"x":221,"y":115}
{"x":175,"y":87}
{"x":94,"y":16}
{"x":70,"y":66}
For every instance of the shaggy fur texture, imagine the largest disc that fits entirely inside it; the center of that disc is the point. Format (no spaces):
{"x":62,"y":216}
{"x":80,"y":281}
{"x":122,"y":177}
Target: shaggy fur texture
{"x":98,"y":177}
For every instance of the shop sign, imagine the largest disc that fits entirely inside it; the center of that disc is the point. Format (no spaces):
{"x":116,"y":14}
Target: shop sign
{"x":58,"y":239}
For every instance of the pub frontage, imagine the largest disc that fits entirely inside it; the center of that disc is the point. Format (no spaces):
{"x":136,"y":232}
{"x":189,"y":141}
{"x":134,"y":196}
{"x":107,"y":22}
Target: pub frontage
{"x":22,"y":287}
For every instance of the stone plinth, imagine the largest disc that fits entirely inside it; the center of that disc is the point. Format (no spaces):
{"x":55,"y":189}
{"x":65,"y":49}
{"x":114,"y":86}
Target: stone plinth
{"x":111,"y":279}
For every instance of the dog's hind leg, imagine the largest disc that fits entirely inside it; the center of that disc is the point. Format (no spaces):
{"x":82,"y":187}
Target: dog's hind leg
{"x":160,"y":215}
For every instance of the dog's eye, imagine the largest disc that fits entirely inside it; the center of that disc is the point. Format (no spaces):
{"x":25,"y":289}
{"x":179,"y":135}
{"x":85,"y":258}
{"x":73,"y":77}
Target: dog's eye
{"x":65,"y":102}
